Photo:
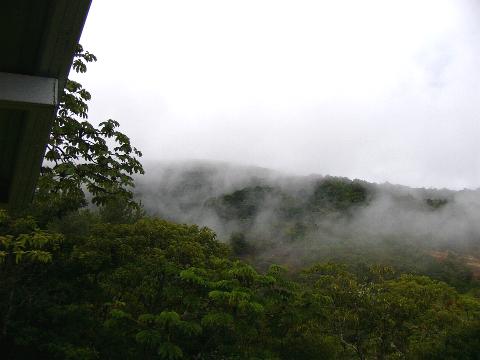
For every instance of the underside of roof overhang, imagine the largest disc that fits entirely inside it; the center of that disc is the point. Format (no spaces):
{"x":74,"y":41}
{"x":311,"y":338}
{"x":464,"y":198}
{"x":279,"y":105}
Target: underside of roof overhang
{"x":38,"y":40}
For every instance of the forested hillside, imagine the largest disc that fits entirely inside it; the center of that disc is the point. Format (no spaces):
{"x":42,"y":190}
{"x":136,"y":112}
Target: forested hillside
{"x":114,"y":283}
{"x":150,"y":289}
{"x":269,"y":217}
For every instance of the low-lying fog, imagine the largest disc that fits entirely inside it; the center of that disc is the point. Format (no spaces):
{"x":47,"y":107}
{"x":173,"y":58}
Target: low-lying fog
{"x":283,"y":217}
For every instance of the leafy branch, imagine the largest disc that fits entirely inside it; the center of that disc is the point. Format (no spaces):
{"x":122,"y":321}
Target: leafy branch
{"x":83,"y":158}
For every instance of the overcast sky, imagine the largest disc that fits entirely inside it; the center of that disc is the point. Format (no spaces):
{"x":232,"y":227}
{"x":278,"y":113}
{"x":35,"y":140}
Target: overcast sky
{"x":381,"y":90}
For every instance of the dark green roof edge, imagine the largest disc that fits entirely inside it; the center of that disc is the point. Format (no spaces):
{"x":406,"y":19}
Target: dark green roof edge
{"x":48,"y":33}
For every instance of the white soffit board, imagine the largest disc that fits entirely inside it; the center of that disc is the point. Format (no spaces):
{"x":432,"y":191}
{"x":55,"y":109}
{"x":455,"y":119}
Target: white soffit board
{"x":25,"y":91}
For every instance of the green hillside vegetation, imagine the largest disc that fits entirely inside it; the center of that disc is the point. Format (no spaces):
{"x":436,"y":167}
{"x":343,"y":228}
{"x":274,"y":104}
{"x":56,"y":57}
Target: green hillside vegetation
{"x":338,"y":194}
{"x":151,"y":289}
{"x":242,"y":204}
{"x":293,"y":223}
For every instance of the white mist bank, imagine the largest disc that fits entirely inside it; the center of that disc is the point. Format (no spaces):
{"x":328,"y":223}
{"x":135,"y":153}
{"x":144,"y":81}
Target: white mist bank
{"x":181,"y":192}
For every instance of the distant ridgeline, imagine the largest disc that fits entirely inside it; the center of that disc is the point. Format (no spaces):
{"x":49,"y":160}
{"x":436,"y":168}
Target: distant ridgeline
{"x":270,"y":217}
{"x":337,"y":195}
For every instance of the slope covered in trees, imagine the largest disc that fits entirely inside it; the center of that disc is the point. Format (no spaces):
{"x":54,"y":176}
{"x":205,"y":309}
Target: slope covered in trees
{"x":273,"y":218}
{"x":151,"y":289}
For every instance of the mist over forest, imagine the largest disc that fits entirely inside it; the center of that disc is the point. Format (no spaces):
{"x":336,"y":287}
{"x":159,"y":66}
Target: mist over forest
{"x":269,"y":216}
{"x":109,"y":251}
{"x":358,"y":238}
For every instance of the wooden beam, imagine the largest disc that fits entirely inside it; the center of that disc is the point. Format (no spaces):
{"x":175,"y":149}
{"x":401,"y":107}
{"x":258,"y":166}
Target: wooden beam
{"x":27,"y":92}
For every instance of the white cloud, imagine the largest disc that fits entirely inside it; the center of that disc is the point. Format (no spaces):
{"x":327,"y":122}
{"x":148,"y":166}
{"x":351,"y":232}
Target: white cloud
{"x":374,"y":89}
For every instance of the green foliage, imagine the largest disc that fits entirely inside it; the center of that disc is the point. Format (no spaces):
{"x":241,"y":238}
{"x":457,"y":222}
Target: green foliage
{"x":338,"y":194}
{"x":23,"y":241}
{"x":156,"y":290}
{"x":436,"y":203}
{"x":81,"y":156}
{"x":241,"y":204}
{"x":240,"y":245}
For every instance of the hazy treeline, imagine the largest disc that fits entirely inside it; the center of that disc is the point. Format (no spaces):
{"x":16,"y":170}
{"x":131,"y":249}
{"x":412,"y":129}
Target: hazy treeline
{"x":299,"y":219}
{"x":112,"y":283}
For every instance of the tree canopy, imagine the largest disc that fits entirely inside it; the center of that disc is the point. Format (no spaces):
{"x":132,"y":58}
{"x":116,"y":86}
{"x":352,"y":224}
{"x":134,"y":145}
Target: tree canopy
{"x":83,"y":158}
{"x":158,"y":290}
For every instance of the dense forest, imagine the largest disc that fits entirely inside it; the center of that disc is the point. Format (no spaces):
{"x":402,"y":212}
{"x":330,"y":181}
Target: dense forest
{"x":224,"y":262}
{"x":269,"y":218}
{"x":87,"y":288}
